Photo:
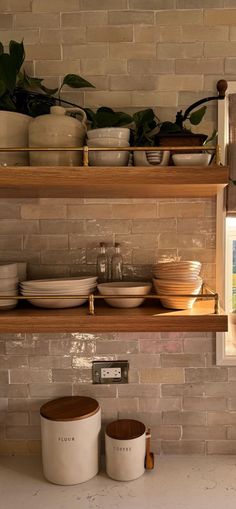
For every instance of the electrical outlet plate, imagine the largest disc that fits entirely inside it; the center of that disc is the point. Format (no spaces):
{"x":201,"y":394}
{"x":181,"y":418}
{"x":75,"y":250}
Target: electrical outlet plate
{"x":110,"y":372}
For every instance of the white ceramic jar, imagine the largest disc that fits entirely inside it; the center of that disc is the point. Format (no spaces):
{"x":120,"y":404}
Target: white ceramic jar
{"x":125,"y":445}
{"x":57,"y":129}
{"x":14,"y":133}
{"x":70,"y":429}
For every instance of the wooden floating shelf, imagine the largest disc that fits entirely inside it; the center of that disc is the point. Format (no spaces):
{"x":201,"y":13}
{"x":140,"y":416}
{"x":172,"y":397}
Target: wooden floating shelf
{"x":114,"y":182}
{"x":148,"y":318}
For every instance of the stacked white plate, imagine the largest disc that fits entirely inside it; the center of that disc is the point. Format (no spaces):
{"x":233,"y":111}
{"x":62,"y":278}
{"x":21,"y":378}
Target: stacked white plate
{"x":176,"y":279}
{"x":8,"y":285}
{"x":76,"y":286}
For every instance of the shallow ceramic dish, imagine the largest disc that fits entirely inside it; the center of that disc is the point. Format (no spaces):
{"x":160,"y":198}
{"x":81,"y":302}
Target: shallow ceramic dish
{"x":191,"y":159}
{"x":52,"y":291}
{"x":125,"y":288}
{"x":59,"y":282}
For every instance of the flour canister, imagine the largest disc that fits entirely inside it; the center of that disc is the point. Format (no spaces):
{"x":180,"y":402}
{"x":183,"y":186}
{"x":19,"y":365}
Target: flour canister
{"x":70,"y":429}
{"x":125,"y":445}
{"x":57,"y":129}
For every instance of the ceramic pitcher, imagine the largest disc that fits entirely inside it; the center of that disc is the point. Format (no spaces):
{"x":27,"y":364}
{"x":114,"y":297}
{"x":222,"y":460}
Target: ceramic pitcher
{"x":57,"y":129}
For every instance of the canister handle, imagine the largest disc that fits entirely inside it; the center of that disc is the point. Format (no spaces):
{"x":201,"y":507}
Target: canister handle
{"x":82,"y":114}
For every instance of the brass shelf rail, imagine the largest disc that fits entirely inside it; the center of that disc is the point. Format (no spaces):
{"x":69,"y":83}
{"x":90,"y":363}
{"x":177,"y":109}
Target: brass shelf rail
{"x":85,"y":150}
{"x":211,"y":295}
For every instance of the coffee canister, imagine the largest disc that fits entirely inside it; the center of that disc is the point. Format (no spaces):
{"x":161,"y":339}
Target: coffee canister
{"x":125,"y":445}
{"x":70,"y":429}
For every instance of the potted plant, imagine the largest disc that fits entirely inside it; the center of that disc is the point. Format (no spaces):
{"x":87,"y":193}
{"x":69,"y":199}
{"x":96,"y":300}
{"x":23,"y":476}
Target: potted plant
{"x":108,"y":128}
{"x":23,"y":97}
{"x":145,"y":127}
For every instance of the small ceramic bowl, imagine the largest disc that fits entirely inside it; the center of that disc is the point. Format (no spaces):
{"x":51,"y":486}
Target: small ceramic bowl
{"x":107,"y":142}
{"x":107,"y":132}
{"x":108,"y":158}
{"x":191,"y":159}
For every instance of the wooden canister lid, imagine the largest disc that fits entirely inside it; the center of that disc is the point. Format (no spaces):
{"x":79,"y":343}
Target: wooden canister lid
{"x":70,"y":408}
{"x":125,"y":429}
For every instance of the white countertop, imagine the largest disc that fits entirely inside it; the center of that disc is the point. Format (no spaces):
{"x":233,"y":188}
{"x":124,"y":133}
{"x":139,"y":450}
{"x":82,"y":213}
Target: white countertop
{"x":177,"y":482}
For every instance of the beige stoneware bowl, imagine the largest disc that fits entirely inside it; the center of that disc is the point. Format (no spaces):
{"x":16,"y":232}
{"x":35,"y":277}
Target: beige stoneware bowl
{"x":125,"y":288}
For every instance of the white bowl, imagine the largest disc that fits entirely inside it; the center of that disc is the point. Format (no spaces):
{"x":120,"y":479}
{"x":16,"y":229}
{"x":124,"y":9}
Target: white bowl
{"x":125,"y":288}
{"x":57,"y":303}
{"x":107,"y":159}
{"x":8,"y":270}
{"x":191,"y":159}
{"x":8,"y":284}
{"x":177,"y":288}
{"x":8,"y":303}
{"x":107,"y":142}
{"x":115,"y":132}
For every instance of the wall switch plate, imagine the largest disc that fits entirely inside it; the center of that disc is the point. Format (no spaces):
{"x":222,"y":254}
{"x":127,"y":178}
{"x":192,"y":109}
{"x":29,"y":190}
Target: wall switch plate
{"x":110,"y":372}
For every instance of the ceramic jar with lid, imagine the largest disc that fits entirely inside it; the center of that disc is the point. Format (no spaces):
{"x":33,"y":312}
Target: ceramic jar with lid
{"x":70,"y":429}
{"x":57,"y":129}
{"x":125,"y":447}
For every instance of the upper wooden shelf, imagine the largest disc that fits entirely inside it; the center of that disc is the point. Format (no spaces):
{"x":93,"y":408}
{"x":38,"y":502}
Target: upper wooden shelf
{"x":114,"y":182}
{"x":150,"y":317}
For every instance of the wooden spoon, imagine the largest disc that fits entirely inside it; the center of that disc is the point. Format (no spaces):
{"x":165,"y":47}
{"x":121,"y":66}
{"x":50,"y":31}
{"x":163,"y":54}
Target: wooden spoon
{"x":149,"y":459}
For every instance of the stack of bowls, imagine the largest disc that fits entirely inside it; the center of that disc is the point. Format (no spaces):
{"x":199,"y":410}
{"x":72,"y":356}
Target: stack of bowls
{"x":108,"y":137}
{"x":75,"y":287}
{"x":124,"y":288}
{"x":8,"y":285}
{"x":176,"y":279}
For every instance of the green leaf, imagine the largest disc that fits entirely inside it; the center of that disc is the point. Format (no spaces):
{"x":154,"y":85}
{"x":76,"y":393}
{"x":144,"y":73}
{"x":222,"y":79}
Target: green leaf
{"x":1,"y":48}
{"x":17,"y":53}
{"x":75,"y":81}
{"x":8,"y":71}
{"x":49,"y":91}
{"x":2,"y":88}
{"x":211,"y":138}
{"x":196,"y":117}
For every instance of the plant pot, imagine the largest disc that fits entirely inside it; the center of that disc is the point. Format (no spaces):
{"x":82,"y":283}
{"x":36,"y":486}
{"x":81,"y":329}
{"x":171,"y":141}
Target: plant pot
{"x":14,"y":133}
{"x":141,"y":159}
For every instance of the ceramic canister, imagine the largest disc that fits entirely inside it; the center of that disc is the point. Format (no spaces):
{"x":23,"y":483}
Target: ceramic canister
{"x":14,"y":133}
{"x":125,"y":445}
{"x":57,"y":129}
{"x":70,"y":429}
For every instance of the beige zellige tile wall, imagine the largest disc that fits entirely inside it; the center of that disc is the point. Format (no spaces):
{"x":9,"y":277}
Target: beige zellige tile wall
{"x":163,"y":54}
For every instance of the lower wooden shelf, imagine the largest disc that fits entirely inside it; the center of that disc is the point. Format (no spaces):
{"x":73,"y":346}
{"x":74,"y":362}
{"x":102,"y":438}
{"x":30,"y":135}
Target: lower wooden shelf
{"x":148,"y":318}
